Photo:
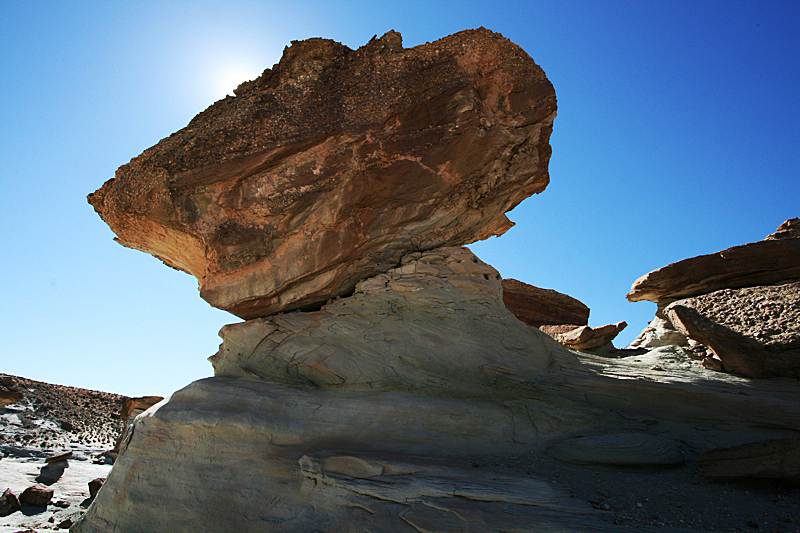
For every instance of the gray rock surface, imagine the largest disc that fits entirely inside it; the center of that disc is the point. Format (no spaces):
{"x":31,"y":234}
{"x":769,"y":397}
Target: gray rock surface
{"x":771,"y":459}
{"x":334,"y":442}
{"x":436,"y":325}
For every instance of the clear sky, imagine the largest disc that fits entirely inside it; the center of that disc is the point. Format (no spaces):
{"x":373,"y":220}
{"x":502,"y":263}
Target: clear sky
{"x":678,"y":133}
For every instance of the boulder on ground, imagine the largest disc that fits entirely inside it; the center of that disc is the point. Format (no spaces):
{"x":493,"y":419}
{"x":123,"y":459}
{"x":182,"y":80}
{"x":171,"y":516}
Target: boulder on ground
{"x":9,"y":503}
{"x":330,"y":167}
{"x":773,"y":260}
{"x":38,"y":495}
{"x":539,"y":307}
{"x":95,"y":485}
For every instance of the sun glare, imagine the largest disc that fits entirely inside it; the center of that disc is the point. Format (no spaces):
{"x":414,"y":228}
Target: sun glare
{"x":228,"y":78}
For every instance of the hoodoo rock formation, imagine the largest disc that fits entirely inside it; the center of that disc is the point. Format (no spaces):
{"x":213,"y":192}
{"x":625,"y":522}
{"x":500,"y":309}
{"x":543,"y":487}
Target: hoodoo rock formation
{"x":331,"y":166}
{"x":379,"y":382}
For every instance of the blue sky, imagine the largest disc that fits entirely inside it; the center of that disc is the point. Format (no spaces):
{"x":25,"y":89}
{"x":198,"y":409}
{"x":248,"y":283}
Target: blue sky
{"x":677,"y":134}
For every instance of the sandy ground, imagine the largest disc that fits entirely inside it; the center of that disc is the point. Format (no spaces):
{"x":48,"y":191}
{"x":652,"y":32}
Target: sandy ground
{"x":52,"y":419}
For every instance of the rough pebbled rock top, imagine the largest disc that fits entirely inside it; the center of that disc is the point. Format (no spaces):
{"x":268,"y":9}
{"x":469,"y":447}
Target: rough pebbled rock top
{"x":331,"y":166}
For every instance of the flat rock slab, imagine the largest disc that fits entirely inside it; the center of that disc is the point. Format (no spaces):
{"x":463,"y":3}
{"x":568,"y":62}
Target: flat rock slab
{"x":771,"y":459}
{"x":538,"y":307}
{"x":621,"y":450}
{"x":773,"y":260}
{"x":331,"y":166}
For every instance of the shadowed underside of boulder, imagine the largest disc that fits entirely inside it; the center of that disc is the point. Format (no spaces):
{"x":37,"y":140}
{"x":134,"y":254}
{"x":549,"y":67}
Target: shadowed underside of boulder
{"x":335,"y":163}
{"x":774,"y":260}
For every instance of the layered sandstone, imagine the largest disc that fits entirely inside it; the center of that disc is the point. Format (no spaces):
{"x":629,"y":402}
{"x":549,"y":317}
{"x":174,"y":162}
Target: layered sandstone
{"x":435,"y":325}
{"x":773,"y":260}
{"x":539,"y":307}
{"x":335,"y":163}
{"x":372,"y":413}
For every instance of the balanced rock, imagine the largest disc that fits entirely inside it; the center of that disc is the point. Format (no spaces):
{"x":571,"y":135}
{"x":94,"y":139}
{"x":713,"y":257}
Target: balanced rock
{"x":754,"y":331}
{"x":538,"y":307}
{"x":773,"y":260}
{"x":331,"y":166}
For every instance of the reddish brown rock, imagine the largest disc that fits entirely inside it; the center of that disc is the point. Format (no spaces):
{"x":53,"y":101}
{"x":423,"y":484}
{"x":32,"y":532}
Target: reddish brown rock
{"x":788,"y":230}
{"x":9,"y":395}
{"x":135,"y":406}
{"x":773,"y":260}
{"x":775,"y":459}
{"x":9,"y":503}
{"x":38,"y":495}
{"x":95,"y":485}
{"x":540,"y":307}
{"x":330,"y":167}
{"x":754,"y":331}
{"x":586,"y":338}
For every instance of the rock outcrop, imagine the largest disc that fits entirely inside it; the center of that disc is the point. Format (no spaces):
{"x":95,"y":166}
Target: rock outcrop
{"x":434,"y":325}
{"x":336,"y":190}
{"x":754,"y":331}
{"x":543,"y":307}
{"x":732,"y":306}
{"x":370,"y":414}
{"x":586,"y":338}
{"x":9,"y":393}
{"x":773,"y":260}
{"x":331,"y":166}
{"x":133,"y":407}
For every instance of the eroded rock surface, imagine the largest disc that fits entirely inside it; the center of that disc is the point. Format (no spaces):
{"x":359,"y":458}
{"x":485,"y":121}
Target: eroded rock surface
{"x":538,"y":307}
{"x":754,"y":331}
{"x":586,"y":338}
{"x":436,"y":324}
{"x":773,"y":260}
{"x":300,"y":431}
{"x":331,"y":166}
{"x":773,"y":459}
